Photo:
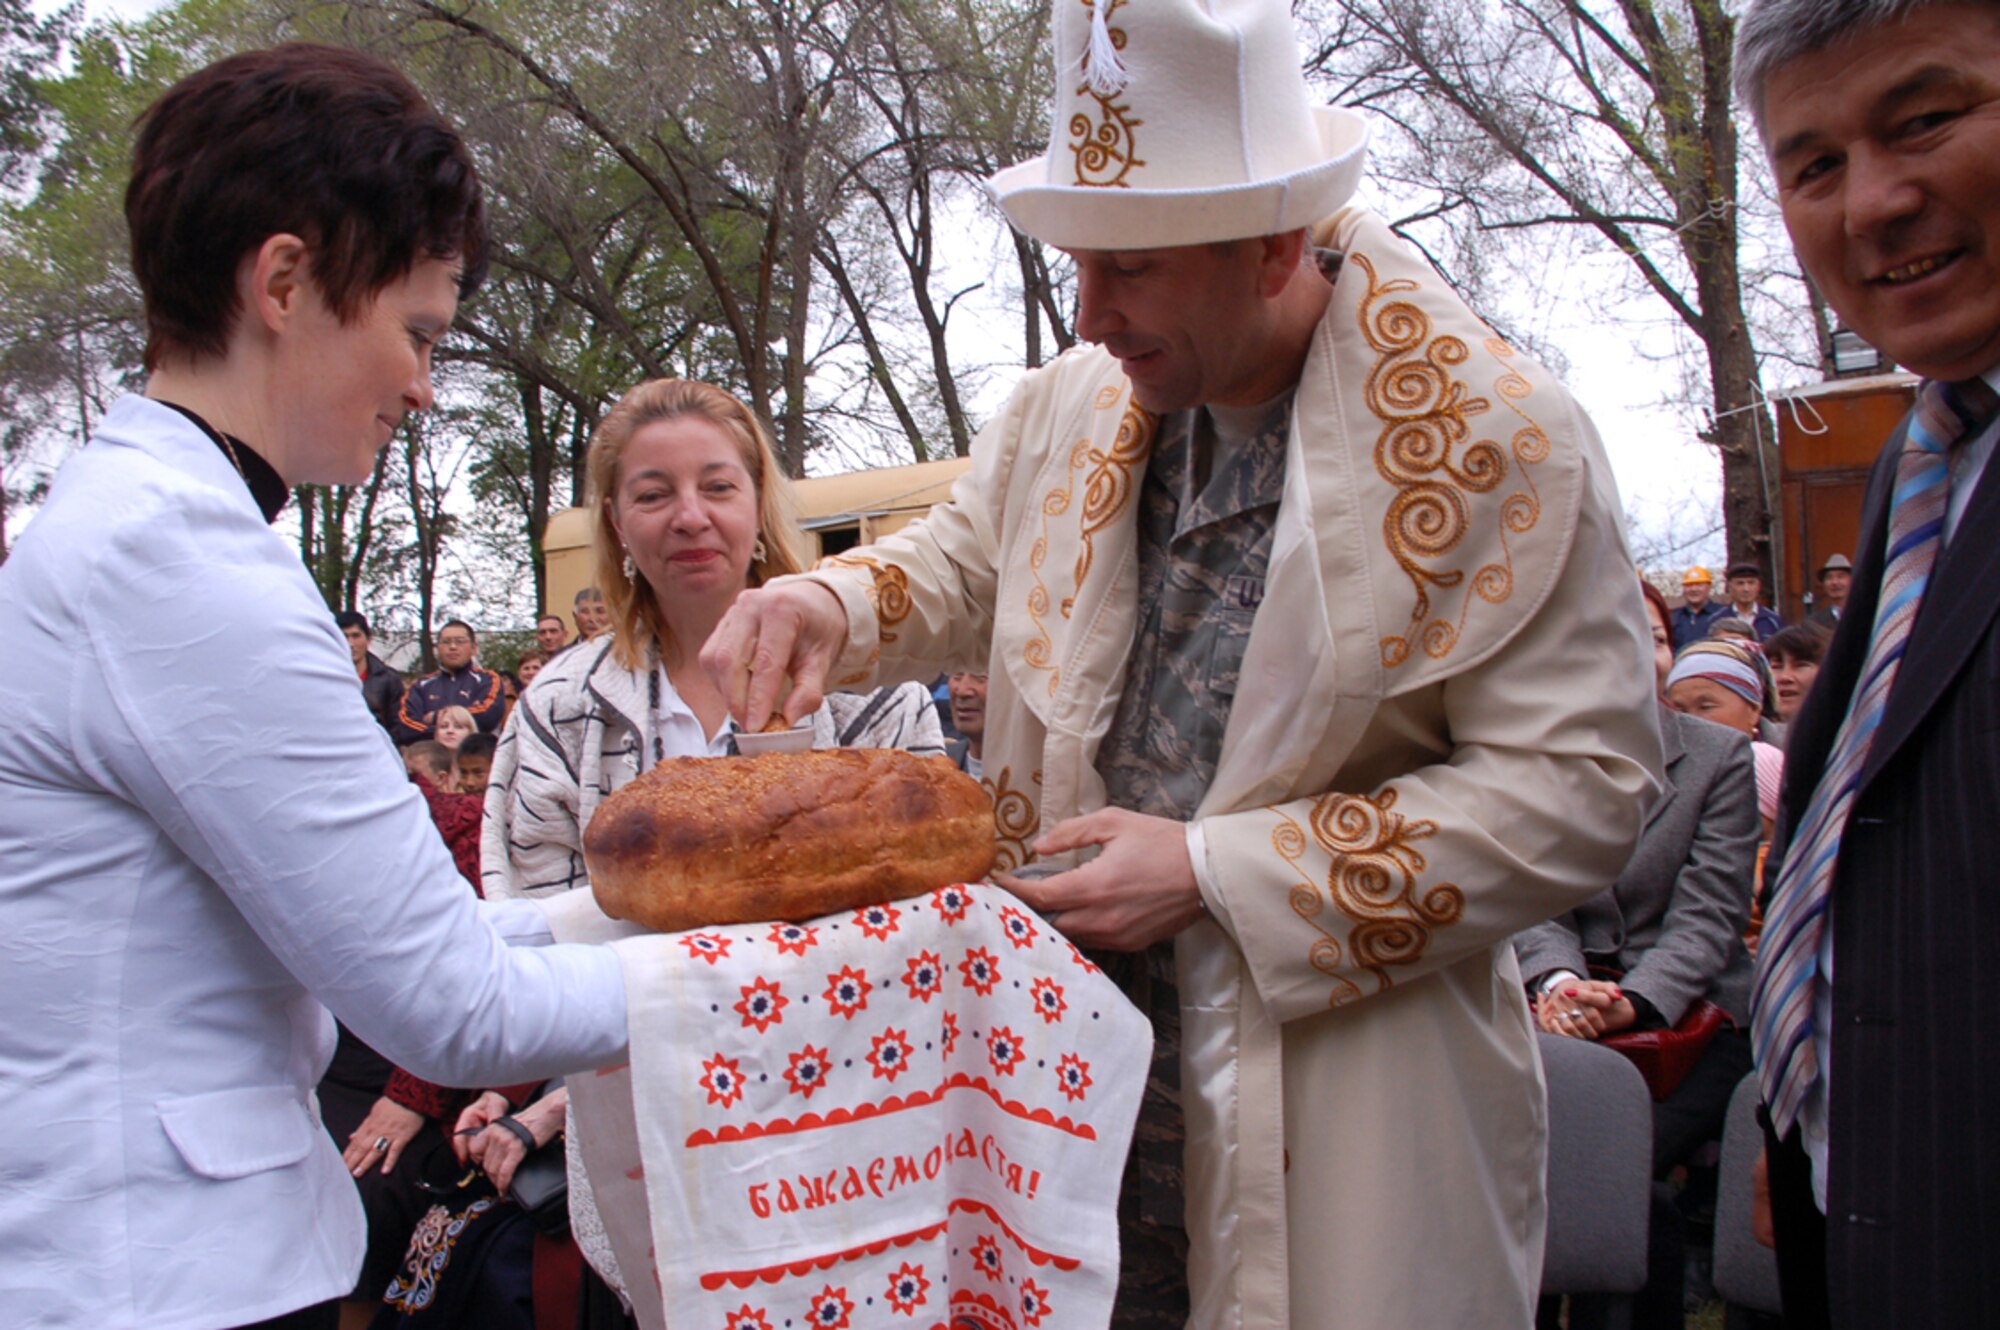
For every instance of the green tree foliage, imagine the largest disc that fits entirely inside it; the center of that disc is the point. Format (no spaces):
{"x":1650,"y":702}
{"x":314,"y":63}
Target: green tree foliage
{"x":70,"y":328}
{"x":29,"y":47}
{"x":759,"y":193}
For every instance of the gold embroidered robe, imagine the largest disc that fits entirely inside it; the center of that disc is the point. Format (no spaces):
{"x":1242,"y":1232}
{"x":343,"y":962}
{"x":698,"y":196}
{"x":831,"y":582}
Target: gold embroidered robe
{"x":1442,"y":734}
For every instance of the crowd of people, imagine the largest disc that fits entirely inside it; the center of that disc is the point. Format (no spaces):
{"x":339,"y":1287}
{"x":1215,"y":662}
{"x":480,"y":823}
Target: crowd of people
{"x":1675,"y":932}
{"x":1291,"y":619}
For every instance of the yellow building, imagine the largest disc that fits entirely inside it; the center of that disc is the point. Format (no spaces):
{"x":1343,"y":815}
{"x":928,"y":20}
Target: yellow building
{"x":838,"y":512}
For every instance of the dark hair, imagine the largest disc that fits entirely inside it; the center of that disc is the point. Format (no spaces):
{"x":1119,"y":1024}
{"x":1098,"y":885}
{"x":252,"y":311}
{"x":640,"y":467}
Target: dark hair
{"x":347,"y":619}
{"x":333,"y":146}
{"x":1659,"y":604}
{"x":481,"y":744}
{"x":585,"y":596}
{"x":556,"y":619}
{"x":1770,"y":34}
{"x":1746,"y":570}
{"x":1805,"y":642}
{"x":458,"y":623}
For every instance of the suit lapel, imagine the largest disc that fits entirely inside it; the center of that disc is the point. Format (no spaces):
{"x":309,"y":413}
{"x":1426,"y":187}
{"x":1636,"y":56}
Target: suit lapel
{"x":1959,"y":604}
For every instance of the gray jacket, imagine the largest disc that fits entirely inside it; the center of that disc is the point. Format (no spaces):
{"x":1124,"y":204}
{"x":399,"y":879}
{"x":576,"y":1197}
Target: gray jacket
{"x":1674,"y":920}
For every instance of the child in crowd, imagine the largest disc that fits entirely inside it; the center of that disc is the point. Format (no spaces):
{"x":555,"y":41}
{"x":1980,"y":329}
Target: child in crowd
{"x":473,"y":763}
{"x":431,"y":760}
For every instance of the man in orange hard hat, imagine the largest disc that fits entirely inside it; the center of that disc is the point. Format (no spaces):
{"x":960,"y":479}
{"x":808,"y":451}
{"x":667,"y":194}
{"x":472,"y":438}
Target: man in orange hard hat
{"x":1697,"y":613}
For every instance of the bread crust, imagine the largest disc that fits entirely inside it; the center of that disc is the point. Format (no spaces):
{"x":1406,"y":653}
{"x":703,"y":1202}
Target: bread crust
{"x":696,"y":842}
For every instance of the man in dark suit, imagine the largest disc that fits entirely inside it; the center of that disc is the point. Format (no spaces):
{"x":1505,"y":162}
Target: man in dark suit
{"x":1872,"y":1012}
{"x":1746,"y":584}
{"x":381,"y":686}
{"x":551,"y":635}
{"x":1835,"y":576}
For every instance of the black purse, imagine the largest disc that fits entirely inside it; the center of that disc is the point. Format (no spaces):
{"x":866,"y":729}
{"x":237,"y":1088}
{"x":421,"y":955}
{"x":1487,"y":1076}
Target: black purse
{"x":541,"y":1181}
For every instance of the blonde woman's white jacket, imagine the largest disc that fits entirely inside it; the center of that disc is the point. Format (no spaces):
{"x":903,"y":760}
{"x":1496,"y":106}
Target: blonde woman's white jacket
{"x":1442,"y":734}
{"x":204,"y":836}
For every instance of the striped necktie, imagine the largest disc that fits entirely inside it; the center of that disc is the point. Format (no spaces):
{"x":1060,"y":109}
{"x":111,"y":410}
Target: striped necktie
{"x":1781,"y":1002}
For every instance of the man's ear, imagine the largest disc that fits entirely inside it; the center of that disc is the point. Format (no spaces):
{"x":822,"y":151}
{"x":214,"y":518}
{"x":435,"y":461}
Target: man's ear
{"x":274,"y":282}
{"x":1278,"y":260}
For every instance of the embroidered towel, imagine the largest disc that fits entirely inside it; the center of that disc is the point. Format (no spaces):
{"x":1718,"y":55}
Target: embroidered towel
{"x":914,"y":1114}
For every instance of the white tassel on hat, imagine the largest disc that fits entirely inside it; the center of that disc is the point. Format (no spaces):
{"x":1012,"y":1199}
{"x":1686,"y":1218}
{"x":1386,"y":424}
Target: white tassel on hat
{"x":1178,"y":122}
{"x":1103,"y":72}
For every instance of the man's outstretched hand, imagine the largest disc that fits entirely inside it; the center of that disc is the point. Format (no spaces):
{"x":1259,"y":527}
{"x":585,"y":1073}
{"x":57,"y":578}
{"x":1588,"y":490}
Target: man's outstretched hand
{"x":770,"y":634}
{"x":1139,"y":890}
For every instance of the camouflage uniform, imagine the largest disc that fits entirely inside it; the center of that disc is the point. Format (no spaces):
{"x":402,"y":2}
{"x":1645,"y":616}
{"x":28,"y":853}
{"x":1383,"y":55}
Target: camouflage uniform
{"x":1206,"y":513}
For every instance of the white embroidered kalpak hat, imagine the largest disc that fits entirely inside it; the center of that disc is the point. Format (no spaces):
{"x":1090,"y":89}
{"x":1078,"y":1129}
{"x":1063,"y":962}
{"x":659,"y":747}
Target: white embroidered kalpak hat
{"x":1179,"y":122}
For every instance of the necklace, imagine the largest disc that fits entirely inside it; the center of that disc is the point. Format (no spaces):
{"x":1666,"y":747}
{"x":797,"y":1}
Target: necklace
{"x":653,"y":701}
{"x":266,"y":486}
{"x":229,"y":448}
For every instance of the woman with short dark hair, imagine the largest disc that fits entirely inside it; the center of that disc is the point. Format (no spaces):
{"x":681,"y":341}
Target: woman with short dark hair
{"x":202,"y":835}
{"x":1795,"y":654}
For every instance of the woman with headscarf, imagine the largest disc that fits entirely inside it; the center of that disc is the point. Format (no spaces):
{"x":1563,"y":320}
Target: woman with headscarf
{"x":1729,"y":683}
{"x":203,"y":836}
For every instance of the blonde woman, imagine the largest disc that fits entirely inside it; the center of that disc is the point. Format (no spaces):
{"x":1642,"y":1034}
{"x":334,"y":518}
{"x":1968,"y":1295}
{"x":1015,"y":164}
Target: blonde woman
{"x":454,"y":726}
{"x":690,"y":508}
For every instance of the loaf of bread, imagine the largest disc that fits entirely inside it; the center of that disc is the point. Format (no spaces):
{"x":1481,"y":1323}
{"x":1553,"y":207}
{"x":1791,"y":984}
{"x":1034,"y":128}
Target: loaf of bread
{"x":701,"y":841}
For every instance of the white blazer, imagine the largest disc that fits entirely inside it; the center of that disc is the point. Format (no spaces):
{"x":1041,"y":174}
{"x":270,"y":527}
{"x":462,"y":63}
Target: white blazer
{"x":204,"y":836}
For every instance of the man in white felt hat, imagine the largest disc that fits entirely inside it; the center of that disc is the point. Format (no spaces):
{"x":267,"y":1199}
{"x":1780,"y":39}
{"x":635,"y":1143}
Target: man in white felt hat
{"x":1313,"y":652}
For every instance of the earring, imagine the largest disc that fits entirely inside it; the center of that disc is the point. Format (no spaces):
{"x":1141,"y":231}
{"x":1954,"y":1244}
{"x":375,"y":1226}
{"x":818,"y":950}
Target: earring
{"x":631,"y":569}
{"x":757,"y":552}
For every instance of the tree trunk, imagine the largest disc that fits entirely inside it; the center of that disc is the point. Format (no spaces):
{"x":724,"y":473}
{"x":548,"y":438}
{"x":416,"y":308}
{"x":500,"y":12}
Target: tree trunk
{"x":878,"y":364}
{"x":424,"y":519}
{"x":1743,"y":432}
{"x":541,"y":471}
{"x":364,"y":533}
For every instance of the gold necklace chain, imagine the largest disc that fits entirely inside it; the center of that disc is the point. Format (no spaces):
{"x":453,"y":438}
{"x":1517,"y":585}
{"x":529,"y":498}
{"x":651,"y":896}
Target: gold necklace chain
{"x":234,"y":460}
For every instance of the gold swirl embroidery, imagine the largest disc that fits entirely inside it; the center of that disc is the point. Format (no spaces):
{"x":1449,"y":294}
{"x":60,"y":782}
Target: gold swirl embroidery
{"x":1372,"y":882}
{"x":1107,"y":492}
{"x":1015,"y":819}
{"x":1040,"y":651}
{"x":1427,"y":452}
{"x":888,"y":590}
{"x":1104,"y":151}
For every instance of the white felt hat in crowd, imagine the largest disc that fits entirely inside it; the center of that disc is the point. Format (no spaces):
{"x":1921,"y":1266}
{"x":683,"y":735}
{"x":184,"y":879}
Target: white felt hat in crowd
{"x":1178,"y":122}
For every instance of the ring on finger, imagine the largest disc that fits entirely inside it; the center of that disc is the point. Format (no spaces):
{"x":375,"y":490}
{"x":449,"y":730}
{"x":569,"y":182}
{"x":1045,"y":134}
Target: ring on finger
{"x":381,"y":1142}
